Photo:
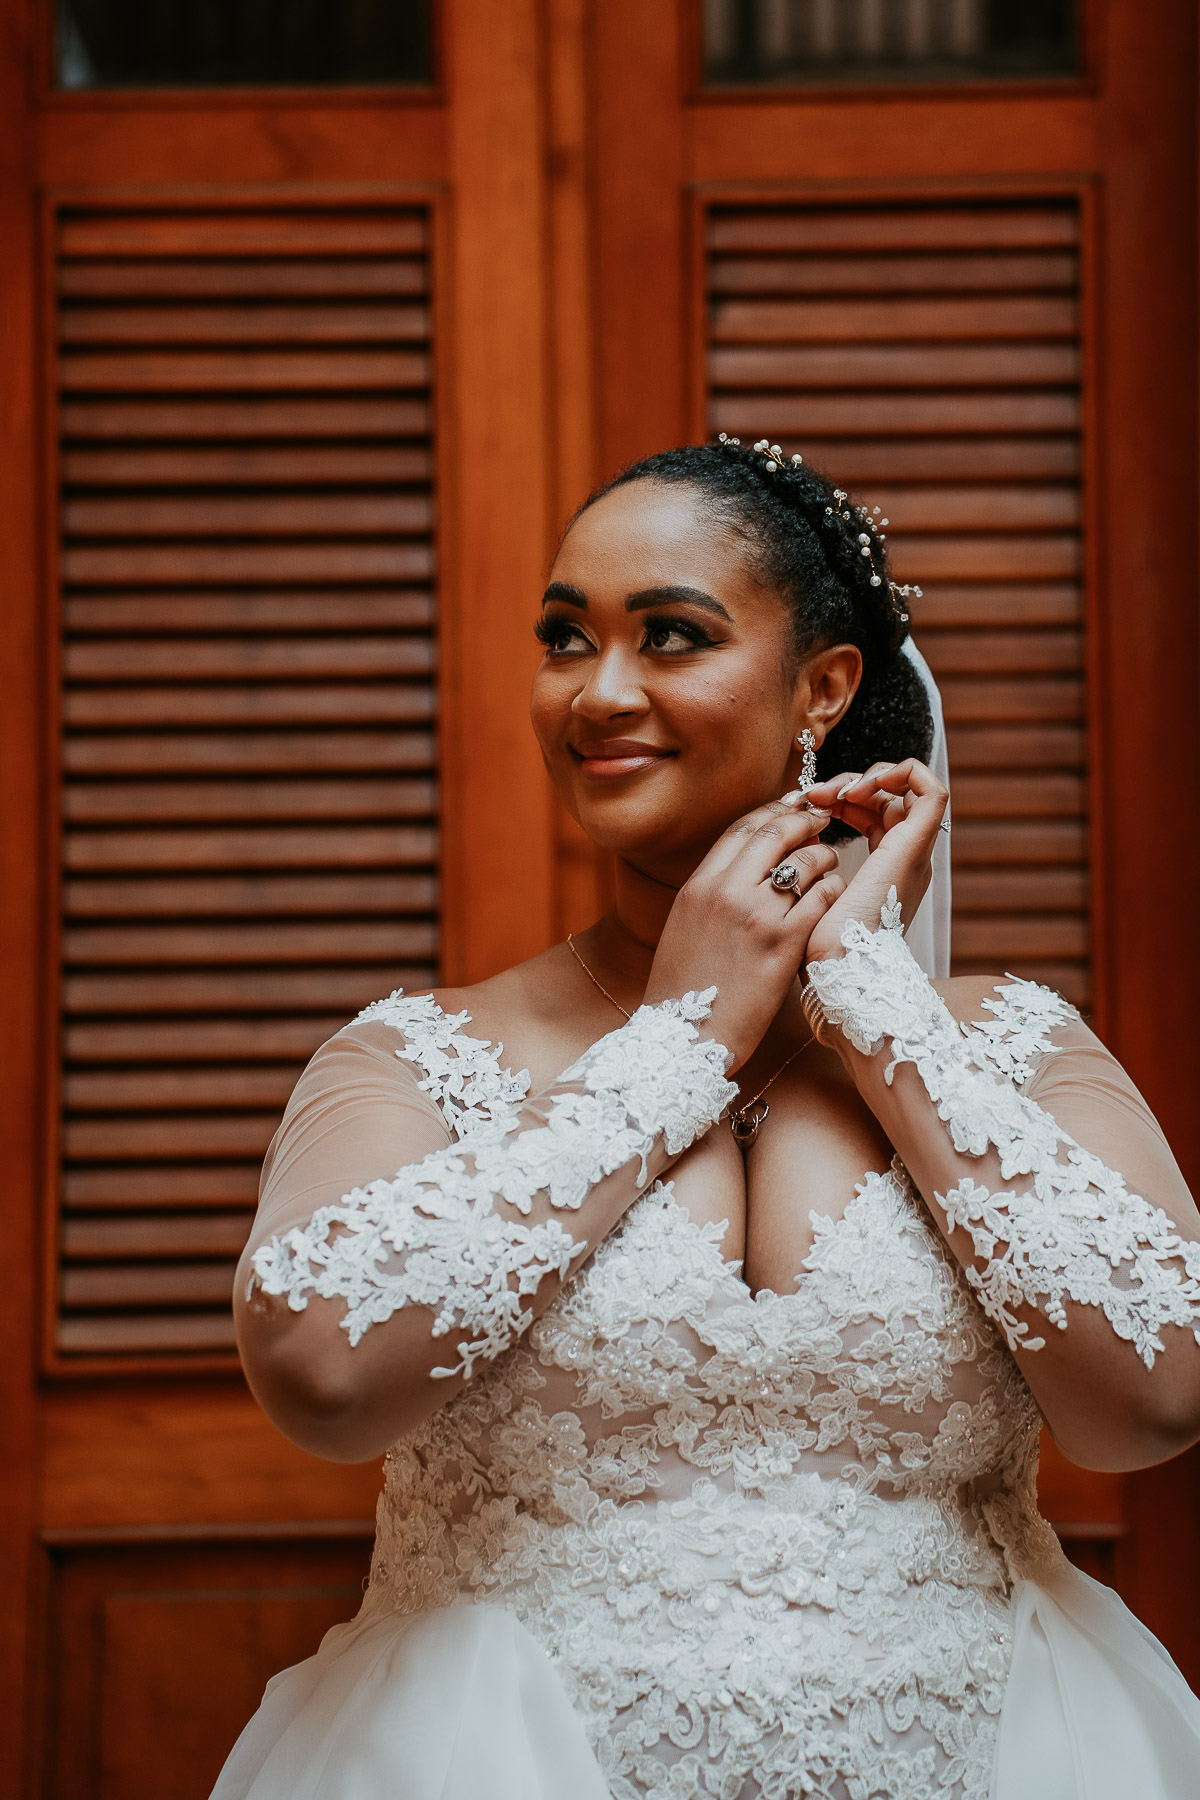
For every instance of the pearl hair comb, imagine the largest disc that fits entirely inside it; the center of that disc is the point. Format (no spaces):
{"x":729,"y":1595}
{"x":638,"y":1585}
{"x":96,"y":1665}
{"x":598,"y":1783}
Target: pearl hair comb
{"x":775,"y":462}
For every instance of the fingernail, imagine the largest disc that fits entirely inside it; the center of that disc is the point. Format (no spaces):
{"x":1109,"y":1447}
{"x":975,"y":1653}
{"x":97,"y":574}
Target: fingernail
{"x":790,"y":799}
{"x":842,"y":792}
{"x":809,"y":807}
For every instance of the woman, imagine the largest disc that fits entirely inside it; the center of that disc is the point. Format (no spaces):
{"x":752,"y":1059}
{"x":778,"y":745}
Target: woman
{"x":713,"y":1450}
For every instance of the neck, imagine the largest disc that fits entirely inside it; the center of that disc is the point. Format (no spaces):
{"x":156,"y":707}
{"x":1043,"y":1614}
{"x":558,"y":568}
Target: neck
{"x":625,"y":939}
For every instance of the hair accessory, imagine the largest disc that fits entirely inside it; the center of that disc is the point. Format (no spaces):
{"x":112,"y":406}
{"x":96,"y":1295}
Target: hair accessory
{"x":784,"y":875}
{"x":774,"y":461}
{"x":808,"y":763}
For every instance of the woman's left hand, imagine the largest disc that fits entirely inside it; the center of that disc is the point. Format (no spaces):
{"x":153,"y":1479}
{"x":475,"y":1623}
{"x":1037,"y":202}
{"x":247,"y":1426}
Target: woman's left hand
{"x":899,"y":808}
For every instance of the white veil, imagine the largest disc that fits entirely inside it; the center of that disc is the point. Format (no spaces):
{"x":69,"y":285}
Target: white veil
{"x":928,"y":936}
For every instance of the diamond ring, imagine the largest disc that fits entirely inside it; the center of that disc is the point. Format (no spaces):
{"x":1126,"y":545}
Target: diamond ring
{"x":785,"y":875}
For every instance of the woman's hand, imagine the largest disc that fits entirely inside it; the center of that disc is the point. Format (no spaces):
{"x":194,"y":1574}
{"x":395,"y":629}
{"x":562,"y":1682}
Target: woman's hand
{"x":731,"y":927}
{"x":899,"y":808}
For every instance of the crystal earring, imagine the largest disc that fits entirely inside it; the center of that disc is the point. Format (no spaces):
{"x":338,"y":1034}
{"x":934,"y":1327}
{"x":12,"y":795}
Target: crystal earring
{"x":808,"y":762}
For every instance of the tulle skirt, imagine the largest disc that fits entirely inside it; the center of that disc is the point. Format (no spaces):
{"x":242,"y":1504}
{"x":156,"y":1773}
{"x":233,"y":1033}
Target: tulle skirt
{"x":463,"y":1704}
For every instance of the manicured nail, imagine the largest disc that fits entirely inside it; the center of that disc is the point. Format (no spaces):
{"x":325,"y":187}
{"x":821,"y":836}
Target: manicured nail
{"x":790,"y":799}
{"x":842,"y":792}
{"x":823,"y":811}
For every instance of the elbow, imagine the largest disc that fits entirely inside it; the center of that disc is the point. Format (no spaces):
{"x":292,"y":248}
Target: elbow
{"x":323,"y":1394}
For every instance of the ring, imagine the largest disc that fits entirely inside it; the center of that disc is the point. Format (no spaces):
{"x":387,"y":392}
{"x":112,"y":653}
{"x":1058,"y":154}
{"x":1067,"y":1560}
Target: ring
{"x":785,"y":875}
{"x":945,"y":826}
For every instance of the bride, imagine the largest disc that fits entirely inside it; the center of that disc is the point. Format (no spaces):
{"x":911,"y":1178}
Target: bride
{"x":711,"y":1275}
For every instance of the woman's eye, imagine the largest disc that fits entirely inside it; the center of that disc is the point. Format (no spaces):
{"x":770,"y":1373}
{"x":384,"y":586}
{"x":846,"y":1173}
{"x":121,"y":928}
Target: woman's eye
{"x":560,"y":637}
{"x":675,"y":635}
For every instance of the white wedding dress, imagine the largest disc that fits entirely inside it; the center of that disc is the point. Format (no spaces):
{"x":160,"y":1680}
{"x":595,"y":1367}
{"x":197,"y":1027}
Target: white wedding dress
{"x":674,"y":1539}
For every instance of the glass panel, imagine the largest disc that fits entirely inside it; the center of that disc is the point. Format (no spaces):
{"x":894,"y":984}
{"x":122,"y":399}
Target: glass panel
{"x":753,"y":42}
{"x":229,"y":43}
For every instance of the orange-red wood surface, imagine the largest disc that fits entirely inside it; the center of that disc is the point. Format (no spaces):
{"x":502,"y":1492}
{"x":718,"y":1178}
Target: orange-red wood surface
{"x":249,"y":663}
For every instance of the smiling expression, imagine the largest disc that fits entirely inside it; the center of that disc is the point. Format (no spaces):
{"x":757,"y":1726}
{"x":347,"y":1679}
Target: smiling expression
{"x":670,"y":695}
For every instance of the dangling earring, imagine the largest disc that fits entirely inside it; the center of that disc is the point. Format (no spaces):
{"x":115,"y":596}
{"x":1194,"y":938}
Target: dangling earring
{"x":808,"y":762}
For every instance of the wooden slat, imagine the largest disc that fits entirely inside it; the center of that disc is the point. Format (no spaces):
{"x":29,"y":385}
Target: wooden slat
{"x":888,"y":319}
{"x":171,"y":612}
{"x":290,"y":990}
{"x":383,"y":277}
{"x":252,"y":847}
{"x":206,"y":1235}
{"x":173,"y":1186}
{"x":182,"y":1090}
{"x":249,"y":515}
{"x":1032,"y":506}
{"x":816,"y":414}
{"x":132,"y":1286}
{"x":245,"y":896}
{"x":255,"y":235}
{"x":179,"y":802}
{"x":775,"y":229}
{"x":195,"y":946}
{"x":1005,"y":273}
{"x":252,"y":416}
{"x":998,"y":604}
{"x":147,"y":1336}
{"x":150,"y":565}
{"x":928,"y":355}
{"x":241,"y":1041}
{"x":277,"y":658}
{"x":148,"y":1239}
{"x":946,"y":460}
{"x":260,"y":324}
{"x":245,"y":465}
{"x":784,"y":366}
{"x":249,"y":807}
{"x":240,"y":704}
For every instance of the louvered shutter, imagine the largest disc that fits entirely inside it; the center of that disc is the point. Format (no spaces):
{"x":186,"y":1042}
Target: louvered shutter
{"x":929,"y":355}
{"x":248,"y":819}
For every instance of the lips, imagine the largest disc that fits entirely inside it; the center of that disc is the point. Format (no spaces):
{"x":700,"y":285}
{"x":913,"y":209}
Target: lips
{"x":606,"y":759}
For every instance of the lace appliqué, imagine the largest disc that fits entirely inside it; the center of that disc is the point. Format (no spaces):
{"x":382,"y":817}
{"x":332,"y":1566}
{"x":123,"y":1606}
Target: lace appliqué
{"x":432,"y":1235}
{"x":1065,"y":1236}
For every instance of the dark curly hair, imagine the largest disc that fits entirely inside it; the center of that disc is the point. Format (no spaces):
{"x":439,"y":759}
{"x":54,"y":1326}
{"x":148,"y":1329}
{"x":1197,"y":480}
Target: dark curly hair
{"x":812,"y":556}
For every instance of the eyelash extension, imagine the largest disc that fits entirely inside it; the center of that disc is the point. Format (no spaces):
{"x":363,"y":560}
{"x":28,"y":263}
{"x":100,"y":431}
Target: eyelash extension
{"x":555,"y":633}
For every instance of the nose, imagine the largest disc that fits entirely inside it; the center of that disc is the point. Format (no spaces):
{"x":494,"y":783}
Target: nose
{"x":612,"y":688}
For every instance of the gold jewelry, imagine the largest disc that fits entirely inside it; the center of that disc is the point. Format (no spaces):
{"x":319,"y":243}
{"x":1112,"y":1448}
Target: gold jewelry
{"x":593,"y":979}
{"x":743,"y":1123}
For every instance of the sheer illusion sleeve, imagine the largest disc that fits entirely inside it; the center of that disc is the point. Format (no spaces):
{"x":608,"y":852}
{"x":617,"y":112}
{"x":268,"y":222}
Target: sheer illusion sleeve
{"x":377,"y":1197}
{"x":1051,"y":1175}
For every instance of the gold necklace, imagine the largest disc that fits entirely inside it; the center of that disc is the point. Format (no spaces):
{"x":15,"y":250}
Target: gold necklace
{"x":743,"y":1122}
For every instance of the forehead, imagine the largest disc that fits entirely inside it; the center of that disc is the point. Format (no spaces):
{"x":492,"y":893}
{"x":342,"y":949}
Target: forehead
{"x":652,"y":533}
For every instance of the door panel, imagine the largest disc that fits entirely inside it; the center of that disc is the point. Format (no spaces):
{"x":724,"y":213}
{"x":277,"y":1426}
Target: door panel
{"x":930,"y":356}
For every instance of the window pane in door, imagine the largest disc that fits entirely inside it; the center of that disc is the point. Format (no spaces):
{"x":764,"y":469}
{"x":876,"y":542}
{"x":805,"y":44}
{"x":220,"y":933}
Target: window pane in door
{"x":231,"y":43}
{"x":756,"y":42}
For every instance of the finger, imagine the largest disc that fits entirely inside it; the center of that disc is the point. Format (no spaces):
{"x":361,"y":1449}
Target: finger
{"x":753,"y":845}
{"x":810,"y":863}
{"x":808,"y":911}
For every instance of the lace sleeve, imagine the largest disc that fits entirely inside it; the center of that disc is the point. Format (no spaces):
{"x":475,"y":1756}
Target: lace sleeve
{"x":472,"y":1230}
{"x":1048,"y":1220}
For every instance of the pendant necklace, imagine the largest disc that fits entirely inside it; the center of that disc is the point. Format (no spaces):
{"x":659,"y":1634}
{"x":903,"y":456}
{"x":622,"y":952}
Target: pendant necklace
{"x":744,"y":1120}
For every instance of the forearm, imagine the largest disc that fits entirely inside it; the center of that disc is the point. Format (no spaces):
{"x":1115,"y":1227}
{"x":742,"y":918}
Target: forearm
{"x":1094,"y":1288}
{"x":369,"y":1316}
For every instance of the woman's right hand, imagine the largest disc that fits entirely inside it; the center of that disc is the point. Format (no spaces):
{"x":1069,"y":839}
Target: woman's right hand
{"x":731,"y":928}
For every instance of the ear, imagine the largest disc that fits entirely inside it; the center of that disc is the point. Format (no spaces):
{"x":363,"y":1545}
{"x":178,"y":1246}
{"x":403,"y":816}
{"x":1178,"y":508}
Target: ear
{"x":827,"y":684}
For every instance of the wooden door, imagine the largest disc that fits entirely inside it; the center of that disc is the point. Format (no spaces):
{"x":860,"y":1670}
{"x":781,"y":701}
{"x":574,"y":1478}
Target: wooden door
{"x":955,"y":292}
{"x":276,"y":496}
{"x":299,"y":384}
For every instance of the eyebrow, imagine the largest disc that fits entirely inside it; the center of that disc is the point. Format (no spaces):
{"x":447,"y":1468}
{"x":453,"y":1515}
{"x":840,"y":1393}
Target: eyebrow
{"x":568,"y":595}
{"x":657,"y":596}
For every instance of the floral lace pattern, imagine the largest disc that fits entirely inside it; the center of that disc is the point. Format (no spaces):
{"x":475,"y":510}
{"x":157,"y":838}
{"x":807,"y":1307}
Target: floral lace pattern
{"x":768,"y":1540}
{"x":434,"y":1235}
{"x":1066,"y":1235}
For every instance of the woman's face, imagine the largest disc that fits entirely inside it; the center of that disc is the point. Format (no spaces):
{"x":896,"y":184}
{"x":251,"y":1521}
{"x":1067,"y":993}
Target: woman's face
{"x":669,"y":698}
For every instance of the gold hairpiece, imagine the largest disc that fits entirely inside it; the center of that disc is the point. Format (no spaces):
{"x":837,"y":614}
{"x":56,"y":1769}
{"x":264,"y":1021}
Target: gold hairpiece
{"x":774,"y":461}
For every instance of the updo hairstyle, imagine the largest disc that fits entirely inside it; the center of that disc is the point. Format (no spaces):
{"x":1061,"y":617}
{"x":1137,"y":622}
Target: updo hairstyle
{"x":808,"y":550}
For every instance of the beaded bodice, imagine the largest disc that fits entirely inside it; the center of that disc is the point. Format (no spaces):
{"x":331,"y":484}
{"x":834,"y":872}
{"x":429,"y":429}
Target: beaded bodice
{"x":767,"y":1539}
